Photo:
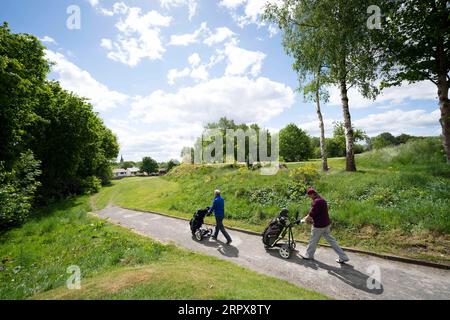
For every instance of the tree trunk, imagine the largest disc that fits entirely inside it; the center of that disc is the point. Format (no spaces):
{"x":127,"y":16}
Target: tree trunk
{"x":323,"y":151}
{"x":444,"y":105}
{"x":350,"y":153}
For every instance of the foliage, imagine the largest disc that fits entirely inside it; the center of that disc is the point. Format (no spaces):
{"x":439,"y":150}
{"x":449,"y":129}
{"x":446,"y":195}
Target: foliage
{"x":295,"y":144}
{"x":91,"y":185}
{"x":61,"y":129}
{"x":305,"y":174}
{"x":149,"y":165}
{"x":127,"y":164}
{"x":330,"y":38}
{"x":414,"y":46}
{"x":17,"y":189}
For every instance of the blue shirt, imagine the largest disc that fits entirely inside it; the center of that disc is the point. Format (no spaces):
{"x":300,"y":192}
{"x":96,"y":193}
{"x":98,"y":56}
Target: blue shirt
{"x":218,"y":207}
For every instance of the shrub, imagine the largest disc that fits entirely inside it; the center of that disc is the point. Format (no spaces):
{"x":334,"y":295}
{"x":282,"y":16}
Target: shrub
{"x":306,"y":174}
{"x":91,"y":185}
{"x":17,"y":189}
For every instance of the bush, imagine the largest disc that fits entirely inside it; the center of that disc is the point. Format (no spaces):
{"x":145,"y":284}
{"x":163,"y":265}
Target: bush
{"x":91,"y":185}
{"x":305,"y":174}
{"x":17,"y":189}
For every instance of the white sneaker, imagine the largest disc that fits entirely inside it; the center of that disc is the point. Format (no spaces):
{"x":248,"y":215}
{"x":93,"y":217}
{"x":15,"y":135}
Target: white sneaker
{"x":342,"y":261}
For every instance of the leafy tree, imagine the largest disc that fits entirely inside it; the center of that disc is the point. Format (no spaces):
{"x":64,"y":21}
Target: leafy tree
{"x":348,"y":58}
{"x":383,"y":140}
{"x":415,"y":45}
{"x":149,"y":165}
{"x":127,"y":164}
{"x":404,"y":138}
{"x":172,"y":164}
{"x":336,"y":146}
{"x":23,"y":70}
{"x":295,"y":144}
{"x":17,"y":189}
{"x":65,"y":135}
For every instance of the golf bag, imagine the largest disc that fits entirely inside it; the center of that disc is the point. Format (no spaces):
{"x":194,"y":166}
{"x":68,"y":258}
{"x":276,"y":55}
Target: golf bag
{"x":276,"y":226}
{"x":198,"y":219}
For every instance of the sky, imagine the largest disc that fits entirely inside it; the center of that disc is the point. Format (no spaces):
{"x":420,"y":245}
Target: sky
{"x":157,"y":71}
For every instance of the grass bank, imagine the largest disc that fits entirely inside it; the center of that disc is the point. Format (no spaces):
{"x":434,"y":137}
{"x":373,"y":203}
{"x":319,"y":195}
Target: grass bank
{"x":398,"y":202}
{"x":118,"y":264}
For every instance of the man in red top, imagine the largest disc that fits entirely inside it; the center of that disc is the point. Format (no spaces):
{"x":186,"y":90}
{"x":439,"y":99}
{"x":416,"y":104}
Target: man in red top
{"x":318,"y":216}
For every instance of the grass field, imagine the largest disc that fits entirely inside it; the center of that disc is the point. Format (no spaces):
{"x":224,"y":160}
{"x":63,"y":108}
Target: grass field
{"x":398,"y":202}
{"x":118,"y":264}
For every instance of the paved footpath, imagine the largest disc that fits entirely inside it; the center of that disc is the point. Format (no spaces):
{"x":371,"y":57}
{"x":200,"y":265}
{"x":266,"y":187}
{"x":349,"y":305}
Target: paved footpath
{"x":397,"y":280}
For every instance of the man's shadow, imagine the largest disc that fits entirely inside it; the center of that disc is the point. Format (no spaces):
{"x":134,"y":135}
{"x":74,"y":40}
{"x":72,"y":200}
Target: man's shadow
{"x":223,"y":248}
{"x":345,"y":272}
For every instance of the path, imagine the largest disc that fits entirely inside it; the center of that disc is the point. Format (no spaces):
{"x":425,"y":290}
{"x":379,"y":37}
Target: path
{"x":398,"y":280}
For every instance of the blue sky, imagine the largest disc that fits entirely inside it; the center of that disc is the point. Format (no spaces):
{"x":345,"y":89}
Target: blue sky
{"x":158,"y":70}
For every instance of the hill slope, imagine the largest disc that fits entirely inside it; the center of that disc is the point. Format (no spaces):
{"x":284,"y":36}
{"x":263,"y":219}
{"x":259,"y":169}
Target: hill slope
{"x":397,"y":203}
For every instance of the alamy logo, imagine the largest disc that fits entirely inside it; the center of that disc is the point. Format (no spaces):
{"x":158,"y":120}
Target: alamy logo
{"x":73,"y":22}
{"x":74,"y":281}
{"x":374,"y":21}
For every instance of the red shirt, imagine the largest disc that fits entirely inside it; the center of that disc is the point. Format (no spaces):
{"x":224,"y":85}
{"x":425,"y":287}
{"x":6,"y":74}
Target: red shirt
{"x":319,"y":213}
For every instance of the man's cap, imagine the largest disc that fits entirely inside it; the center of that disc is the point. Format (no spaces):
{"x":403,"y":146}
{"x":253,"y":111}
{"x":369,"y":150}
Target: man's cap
{"x":311,"y":191}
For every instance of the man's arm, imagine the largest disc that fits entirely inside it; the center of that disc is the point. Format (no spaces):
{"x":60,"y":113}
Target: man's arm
{"x":312,"y":213}
{"x":213,"y":206}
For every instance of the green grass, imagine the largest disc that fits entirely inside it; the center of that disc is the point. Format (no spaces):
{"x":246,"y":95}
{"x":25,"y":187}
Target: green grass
{"x":397,"y":203}
{"x":118,"y":264}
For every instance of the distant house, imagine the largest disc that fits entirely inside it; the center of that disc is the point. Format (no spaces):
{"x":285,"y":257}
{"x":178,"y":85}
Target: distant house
{"x":132,"y":172}
{"x":119,"y":173}
{"x":162,"y":172}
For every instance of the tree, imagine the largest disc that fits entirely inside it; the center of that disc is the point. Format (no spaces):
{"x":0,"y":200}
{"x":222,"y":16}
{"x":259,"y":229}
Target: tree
{"x":149,"y":165}
{"x":383,"y":140}
{"x":295,"y":144}
{"x":339,"y":26}
{"x":172,"y":164}
{"x":23,"y":70}
{"x":337,"y":145}
{"x":415,"y":42}
{"x":314,"y":91}
{"x":17,"y":189}
{"x":127,"y":164}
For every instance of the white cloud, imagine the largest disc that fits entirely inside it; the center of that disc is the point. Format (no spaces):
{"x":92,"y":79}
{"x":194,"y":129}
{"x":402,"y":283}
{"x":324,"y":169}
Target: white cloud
{"x":82,"y":83}
{"x":273,"y":30}
{"x":191,"y":4}
{"x":96,"y":5}
{"x":139,"y":35}
{"x":47,"y":39}
{"x":239,"y":98}
{"x":197,"y":71}
{"x":194,"y":60}
{"x":390,"y":97}
{"x":189,"y":38}
{"x":174,"y":74}
{"x":399,"y":121}
{"x":396,"y":121}
{"x":245,"y":12}
{"x":220,"y":35}
{"x":107,"y":44}
{"x":161,"y":143}
{"x":241,"y":61}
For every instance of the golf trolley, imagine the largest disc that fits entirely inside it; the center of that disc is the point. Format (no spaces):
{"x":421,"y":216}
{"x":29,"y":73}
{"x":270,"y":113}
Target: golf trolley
{"x":276,"y":232}
{"x":196,"y":224}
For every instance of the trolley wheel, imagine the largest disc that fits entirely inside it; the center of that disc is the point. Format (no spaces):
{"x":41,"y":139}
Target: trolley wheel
{"x":199,"y":235}
{"x":285,"y":251}
{"x":293,"y":245}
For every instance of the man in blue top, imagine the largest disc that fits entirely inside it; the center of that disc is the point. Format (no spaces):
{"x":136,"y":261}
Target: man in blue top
{"x":218,"y":207}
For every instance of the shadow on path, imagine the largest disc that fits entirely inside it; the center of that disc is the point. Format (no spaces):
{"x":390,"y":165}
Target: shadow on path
{"x":221,"y":247}
{"x":344,"y":272}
